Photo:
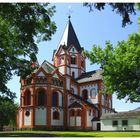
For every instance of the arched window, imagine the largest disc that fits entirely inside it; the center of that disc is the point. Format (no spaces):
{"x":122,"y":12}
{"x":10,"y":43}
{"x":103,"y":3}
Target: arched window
{"x":93,"y":93}
{"x":78,"y":112}
{"x":55,"y":99}
{"x":72,"y":113}
{"x":73,"y":60}
{"x":56,"y":115}
{"x":73,"y":50}
{"x":73,"y":74}
{"x":41,"y":98}
{"x":27,"y":98}
{"x":85,"y":94}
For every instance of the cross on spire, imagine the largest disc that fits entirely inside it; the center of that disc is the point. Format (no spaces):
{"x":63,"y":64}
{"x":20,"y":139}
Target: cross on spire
{"x":69,"y":12}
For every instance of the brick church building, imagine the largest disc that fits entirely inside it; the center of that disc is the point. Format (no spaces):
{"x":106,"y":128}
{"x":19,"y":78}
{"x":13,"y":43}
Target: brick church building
{"x":62,"y":94}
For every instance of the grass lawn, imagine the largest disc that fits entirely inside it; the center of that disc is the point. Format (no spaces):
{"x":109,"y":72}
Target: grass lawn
{"x":68,"y":134}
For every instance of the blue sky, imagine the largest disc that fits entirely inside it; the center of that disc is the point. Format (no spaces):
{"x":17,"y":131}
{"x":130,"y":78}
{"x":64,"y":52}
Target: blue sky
{"x":91,"y":28}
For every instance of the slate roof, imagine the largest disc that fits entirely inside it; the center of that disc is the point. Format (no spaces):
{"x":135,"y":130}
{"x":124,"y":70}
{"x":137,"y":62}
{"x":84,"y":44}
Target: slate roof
{"x":69,"y":37}
{"x":81,"y":99}
{"x":75,"y":105}
{"x":128,"y":114}
{"x":48,"y":67}
{"x":95,"y":119}
{"x":90,"y":76}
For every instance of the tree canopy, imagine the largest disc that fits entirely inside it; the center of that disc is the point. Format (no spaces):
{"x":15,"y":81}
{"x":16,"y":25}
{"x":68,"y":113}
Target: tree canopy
{"x":7,"y":112}
{"x":121,"y":66}
{"x":123,"y":9}
{"x":22,"y":25}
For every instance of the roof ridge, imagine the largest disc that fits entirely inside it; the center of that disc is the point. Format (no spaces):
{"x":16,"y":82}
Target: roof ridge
{"x":80,"y":98}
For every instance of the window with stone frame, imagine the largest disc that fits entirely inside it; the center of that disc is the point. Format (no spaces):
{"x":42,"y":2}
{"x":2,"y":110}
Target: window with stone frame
{"x":72,"y":112}
{"x":73,"y":60}
{"x":41,"y":98}
{"x":55,"y":101}
{"x":73,"y":74}
{"x":114,"y":123}
{"x":85,"y":94}
{"x":56,"y":115}
{"x":124,"y":122}
{"x":78,"y":112}
{"x":93,"y":93}
{"x":27,"y":98}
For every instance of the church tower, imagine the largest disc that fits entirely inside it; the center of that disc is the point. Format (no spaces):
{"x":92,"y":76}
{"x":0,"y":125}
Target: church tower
{"x":68,"y":57}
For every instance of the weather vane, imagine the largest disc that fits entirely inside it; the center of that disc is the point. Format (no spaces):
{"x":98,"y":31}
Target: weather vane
{"x":69,"y":12}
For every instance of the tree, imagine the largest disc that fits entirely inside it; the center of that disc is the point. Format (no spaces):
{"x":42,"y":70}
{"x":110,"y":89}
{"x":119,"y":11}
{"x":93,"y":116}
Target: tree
{"x":121,"y":66}
{"x":22,"y":25}
{"x":7,"y":112}
{"x":123,"y":9}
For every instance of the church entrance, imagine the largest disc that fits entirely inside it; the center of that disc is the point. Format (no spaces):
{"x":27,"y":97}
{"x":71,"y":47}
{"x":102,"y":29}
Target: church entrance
{"x":75,"y":118}
{"x":98,"y":126}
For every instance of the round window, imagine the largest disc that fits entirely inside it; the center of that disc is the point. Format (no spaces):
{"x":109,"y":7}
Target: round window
{"x":27,"y":113}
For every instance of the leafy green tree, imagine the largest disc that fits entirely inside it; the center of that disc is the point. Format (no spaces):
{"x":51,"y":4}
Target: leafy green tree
{"x":123,"y":9}
{"x":121,"y":67}
{"x":7,"y":112}
{"x":22,"y":25}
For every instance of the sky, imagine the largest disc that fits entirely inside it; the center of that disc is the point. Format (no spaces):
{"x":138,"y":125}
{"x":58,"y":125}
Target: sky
{"x":91,"y":28}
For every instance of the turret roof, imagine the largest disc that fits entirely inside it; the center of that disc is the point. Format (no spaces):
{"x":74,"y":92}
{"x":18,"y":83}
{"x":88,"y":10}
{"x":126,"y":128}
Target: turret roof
{"x":69,"y":37}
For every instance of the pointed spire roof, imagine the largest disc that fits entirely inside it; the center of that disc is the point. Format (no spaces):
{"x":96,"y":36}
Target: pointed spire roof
{"x":69,"y":37}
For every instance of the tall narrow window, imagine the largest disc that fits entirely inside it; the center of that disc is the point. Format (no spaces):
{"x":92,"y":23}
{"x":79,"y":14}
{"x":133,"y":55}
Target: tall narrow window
{"x":73,"y":74}
{"x":41,"y":98}
{"x":73,"y":60}
{"x":78,"y":112}
{"x":27,"y":98}
{"x":93,"y":93}
{"x":85,"y":94}
{"x":72,"y":113}
{"x":55,"y":99}
{"x":73,"y":50}
{"x":56,"y":115}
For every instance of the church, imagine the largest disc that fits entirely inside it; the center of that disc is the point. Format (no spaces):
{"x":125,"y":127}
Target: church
{"x":61,"y":94}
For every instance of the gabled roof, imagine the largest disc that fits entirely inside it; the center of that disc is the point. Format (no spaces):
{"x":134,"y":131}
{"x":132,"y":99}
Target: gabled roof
{"x":75,"y":105}
{"x":132,"y":113}
{"x":90,"y":76}
{"x":81,"y":99}
{"x":48,"y":67}
{"x":69,"y":37}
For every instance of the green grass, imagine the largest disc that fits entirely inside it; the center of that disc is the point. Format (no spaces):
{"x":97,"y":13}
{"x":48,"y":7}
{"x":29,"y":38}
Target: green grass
{"x":68,"y":134}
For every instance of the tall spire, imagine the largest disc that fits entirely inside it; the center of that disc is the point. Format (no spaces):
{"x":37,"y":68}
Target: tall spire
{"x":69,"y":36}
